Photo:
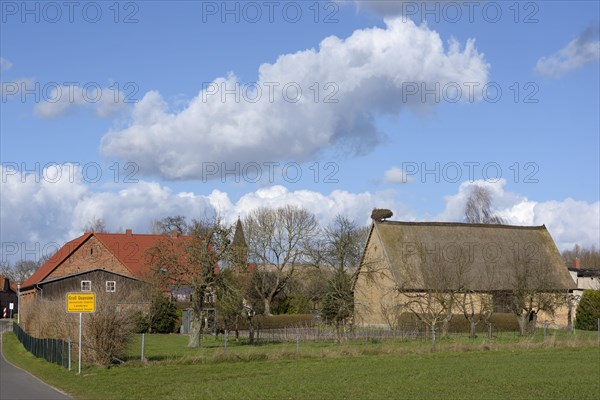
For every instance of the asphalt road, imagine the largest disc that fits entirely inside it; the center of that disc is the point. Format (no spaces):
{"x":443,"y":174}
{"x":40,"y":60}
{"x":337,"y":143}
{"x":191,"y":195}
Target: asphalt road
{"x":17,"y":384}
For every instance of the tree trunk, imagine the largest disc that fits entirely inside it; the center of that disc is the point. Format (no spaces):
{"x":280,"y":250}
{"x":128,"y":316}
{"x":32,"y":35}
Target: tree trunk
{"x":473,"y":330}
{"x":522,"y":319}
{"x":338,"y":332}
{"x":446,"y":323}
{"x":433,"y":337}
{"x":570,"y":317}
{"x":237,"y":329}
{"x":532,"y":322}
{"x":250,"y":331}
{"x":267,"y":302}
{"x":195,"y":330}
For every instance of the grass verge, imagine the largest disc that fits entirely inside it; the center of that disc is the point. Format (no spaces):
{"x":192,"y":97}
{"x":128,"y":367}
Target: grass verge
{"x":274,"y":371}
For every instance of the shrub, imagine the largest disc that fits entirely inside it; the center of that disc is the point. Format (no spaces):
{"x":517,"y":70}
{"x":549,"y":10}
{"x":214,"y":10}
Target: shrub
{"x":142,"y":322}
{"x":292,"y":305}
{"x":501,"y":322}
{"x":163,"y":315}
{"x":106,"y":332}
{"x":588,"y":311}
{"x":283,"y":321}
{"x":338,"y":301}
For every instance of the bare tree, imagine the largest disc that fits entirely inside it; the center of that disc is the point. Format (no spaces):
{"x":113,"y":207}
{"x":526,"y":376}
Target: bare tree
{"x":431,"y":307}
{"x":229,"y":300}
{"x":343,"y":245}
{"x":95,"y":225}
{"x":338,"y":303}
{"x":277,"y":242}
{"x":477,"y":304}
{"x":589,"y":258}
{"x":194,"y":262}
{"x":339,"y":249}
{"x":176,"y":223}
{"x":20,"y":271}
{"x":478,"y":209}
{"x":441,"y":280}
{"x":532,"y":288}
{"x":6,"y":269}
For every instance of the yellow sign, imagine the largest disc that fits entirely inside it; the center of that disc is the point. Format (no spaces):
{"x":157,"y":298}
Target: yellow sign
{"x":81,"y":302}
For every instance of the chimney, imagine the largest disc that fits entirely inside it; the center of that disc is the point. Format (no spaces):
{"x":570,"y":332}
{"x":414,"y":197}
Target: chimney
{"x":128,"y":232}
{"x":576,"y":263}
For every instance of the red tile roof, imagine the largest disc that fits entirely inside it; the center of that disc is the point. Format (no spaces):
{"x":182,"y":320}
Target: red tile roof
{"x":130,"y":249}
{"x":50,"y":265}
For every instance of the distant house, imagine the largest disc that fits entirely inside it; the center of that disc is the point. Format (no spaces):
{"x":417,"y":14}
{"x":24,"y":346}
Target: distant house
{"x":8,"y":296}
{"x":94,"y":262}
{"x":585,"y":278}
{"x":404,"y":258}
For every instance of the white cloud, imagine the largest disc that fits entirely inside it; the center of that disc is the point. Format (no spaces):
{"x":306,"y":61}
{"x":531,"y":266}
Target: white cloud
{"x":5,"y":65}
{"x":366,"y":74}
{"x":580,"y":51}
{"x":357,"y":206}
{"x":568,"y":221}
{"x":52,"y":211}
{"x":38,"y":213}
{"x":395,"y":175}
{"x":63,"y":100}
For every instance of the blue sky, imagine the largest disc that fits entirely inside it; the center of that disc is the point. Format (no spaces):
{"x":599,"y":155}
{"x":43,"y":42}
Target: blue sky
{"x":163,"y":137}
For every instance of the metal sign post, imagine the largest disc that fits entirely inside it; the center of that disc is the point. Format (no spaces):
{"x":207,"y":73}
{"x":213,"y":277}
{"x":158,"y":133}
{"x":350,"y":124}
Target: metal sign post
{"x":79,"y":361}
{"x":19,"y":302}
{"x":81,"y":303}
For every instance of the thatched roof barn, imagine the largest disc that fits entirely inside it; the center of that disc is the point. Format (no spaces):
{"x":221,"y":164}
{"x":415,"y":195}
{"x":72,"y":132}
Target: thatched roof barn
{"x":420,"y":256}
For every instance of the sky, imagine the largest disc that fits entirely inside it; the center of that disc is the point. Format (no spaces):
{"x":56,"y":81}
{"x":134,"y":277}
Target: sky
{"x":136,"y":110}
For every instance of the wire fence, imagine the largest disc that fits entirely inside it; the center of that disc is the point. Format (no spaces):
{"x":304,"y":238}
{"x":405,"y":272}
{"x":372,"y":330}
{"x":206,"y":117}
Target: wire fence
{"x":407,"y":332}
{"x":52,"y":350}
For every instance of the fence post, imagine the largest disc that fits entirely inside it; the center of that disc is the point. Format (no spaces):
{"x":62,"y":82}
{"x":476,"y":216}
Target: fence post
{"x":69,"y":353}
{"x":598,"y":330}
{"x":545,"y":326}
{"x":225,"y":341}
{"x":143,"y":342}
{"x":297,"y":343}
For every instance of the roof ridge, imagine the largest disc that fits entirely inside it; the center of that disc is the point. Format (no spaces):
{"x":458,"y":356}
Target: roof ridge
{"x":136,"y":234}
{"x":465,"y":224}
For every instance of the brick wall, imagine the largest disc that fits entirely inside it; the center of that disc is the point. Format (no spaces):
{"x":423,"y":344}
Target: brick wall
{"x":91,"y":255}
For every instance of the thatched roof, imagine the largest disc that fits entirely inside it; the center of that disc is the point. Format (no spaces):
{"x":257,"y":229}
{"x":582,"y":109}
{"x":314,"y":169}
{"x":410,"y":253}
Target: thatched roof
{"x":473,"y":256}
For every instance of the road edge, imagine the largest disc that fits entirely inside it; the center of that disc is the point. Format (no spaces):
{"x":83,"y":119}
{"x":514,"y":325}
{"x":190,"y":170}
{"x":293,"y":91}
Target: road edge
{"x":24,"y":370}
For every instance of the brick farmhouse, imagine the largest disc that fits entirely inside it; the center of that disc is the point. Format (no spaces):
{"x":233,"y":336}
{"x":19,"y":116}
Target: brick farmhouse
{"x":110,"y":263}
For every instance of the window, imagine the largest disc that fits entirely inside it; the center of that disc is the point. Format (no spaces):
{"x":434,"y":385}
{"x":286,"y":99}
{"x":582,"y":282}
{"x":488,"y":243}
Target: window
{"x":502,"y":302}
{"x":111,"y":286}
{"x":86,"y":286}
{"x":209,"y":297}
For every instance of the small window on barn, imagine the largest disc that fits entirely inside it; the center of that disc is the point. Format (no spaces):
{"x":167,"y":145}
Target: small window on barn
{"x":86,"y":286}
{"x":111,"y":286}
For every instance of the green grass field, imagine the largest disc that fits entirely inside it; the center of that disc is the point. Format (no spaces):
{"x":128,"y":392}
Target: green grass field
{"x":460,"y":369}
